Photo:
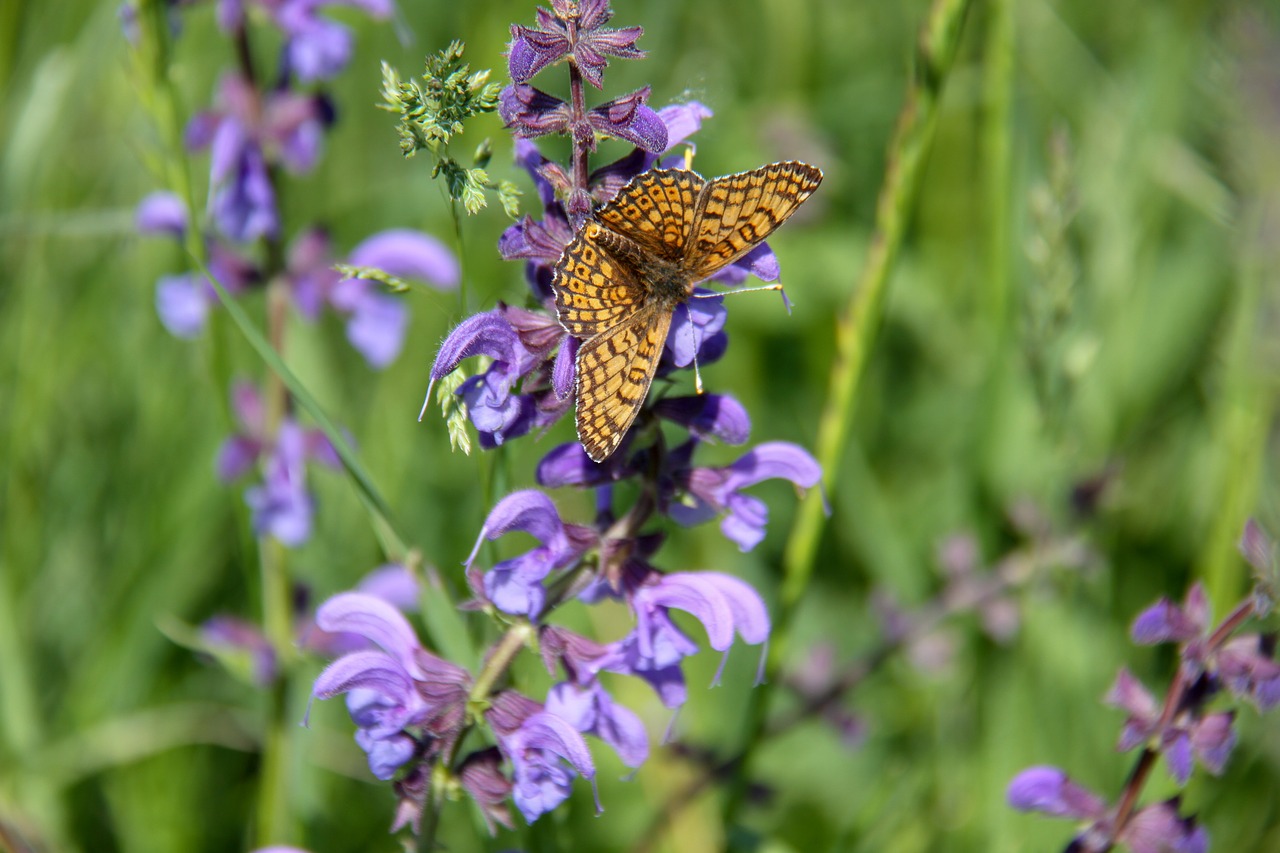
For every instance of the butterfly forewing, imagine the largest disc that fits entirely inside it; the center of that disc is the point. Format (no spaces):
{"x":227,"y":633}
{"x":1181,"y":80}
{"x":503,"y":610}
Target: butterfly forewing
{"x":737,"y":212}
{"x":657,"y":212}
{"x":594,"y":289}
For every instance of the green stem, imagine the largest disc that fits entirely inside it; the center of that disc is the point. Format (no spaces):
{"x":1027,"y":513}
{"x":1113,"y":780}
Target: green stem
{"x":1242,"y":420}
{"x":855,"y":334}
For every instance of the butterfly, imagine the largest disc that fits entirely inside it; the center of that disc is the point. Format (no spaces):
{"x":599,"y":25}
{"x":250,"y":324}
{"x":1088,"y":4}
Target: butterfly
{"x":629,"y":266}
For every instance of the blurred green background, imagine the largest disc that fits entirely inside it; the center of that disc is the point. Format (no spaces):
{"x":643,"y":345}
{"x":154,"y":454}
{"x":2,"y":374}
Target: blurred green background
{"x":1079,"y":329}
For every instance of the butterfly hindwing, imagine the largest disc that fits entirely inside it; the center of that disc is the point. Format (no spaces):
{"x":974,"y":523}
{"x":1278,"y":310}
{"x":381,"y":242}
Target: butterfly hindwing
{"x":656,"y":211}
{"x":614,"y":370}
{"x":737,"y":212}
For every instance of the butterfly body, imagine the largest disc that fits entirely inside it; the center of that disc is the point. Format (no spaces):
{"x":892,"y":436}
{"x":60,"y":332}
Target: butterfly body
{"x":622,"y":276}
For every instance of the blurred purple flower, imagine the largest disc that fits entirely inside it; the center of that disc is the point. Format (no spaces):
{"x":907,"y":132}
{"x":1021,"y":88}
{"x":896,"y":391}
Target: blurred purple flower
{"x":1209,"y":738}
{"x":376,"y":320}
{"x":1166,"y":622}
{"x":246,"y":131}
{"x":574,"y":31}
{"x":393,"y":692}
{"x":316,"y":48}
{"x":161,"y":213}
{"x":241,"y":646}
{"x":1159,"y":828}
{"x":544,"y":751}
{"x":1050,"y":791}
{"x":282,"y":505}
{"x":717,"y":490}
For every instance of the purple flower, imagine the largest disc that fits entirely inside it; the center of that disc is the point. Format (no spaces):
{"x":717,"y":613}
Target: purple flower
{"x":161,"y":213}
{"x":241,"y":647}
{"x":707,"y":416}
{"x":538,"y":744}
{"x":1166,"y":622}
{"x":183,"y":302}
{"x":654,"y":649}
{"x":481,"y":776}
{"x":519,"y":342}
{"x":393,"y":693}
{"x":572,"y":31}
{"x":393,"y":583}
{"x":316,"y":48}
{"x":1159,"y":828}
{"x":724,"y":604}
{"x":282,"y":505}
{"x":1050,"y":791}
{"x":530,"y":112}
{"x":717,"y":490}
{"x":592,"y":711}
{"x":246,"y":131}
{"x":376,"y":320}
{"x":1209,"y":738}
{"x":515,"y":585}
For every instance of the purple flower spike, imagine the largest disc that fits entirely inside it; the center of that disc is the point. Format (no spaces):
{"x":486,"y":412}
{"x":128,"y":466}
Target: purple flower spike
{"x":717,"y":490}
{"x":409,"y":254}
{"x":1048,"y":790}
{"x":592,"y":711}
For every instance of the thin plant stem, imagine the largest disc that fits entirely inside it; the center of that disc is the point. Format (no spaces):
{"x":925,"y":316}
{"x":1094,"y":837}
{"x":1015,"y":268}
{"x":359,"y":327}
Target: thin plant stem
{"x":1242,"y":421}
{"x":856,"y":331}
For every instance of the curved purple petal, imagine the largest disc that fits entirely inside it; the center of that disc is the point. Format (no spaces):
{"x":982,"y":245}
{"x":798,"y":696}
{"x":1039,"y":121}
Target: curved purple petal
{"x":368,"y":670}
{"x":528,"y":510}
{"x":405,"y":253}
{"x":774,"y":459}
{"x":375,"y":620}
{"x":481,"y":334}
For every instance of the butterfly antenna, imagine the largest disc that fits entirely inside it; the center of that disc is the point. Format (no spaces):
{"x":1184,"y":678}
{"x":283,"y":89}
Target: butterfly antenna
{"x":777,"y":285}
{"x":693,"y":333}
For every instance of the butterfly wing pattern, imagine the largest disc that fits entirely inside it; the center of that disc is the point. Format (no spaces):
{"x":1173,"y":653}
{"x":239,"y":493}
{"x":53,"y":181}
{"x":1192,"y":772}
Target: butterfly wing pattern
{"x":622,"y":275}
